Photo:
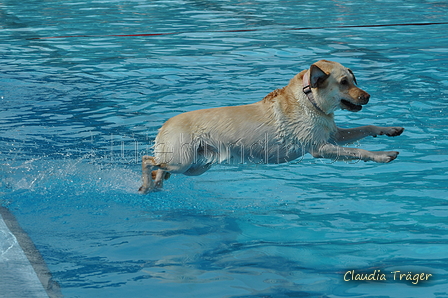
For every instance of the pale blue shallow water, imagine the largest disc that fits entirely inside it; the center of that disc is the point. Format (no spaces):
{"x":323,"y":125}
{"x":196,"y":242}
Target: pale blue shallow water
{"x":78,"y":112}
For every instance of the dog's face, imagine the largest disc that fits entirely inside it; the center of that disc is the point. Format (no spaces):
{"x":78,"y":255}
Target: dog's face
{"x":335,"y":87}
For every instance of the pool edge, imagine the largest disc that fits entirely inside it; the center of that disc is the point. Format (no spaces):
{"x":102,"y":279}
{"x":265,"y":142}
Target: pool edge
{"x":32,"y":254}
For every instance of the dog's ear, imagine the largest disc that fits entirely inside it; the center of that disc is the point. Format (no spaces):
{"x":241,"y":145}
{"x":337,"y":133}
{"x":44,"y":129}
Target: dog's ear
{"x":354,"y":79}
{"x":317,"y":76}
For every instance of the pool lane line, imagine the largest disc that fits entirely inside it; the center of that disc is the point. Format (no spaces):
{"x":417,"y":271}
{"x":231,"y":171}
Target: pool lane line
{"x":244,"y":30}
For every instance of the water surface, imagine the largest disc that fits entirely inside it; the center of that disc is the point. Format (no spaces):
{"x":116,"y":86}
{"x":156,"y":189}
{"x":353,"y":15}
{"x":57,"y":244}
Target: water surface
{"x":81,"y":102}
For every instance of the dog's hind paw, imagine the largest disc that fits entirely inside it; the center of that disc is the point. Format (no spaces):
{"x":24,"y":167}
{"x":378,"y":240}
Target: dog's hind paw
{"x":144,"y":189}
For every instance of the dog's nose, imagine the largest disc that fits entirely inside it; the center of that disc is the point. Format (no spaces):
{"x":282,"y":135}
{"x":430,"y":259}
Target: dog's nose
{"x":364,"y":98}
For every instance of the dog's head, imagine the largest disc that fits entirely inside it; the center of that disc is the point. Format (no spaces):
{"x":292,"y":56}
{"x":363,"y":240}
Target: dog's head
{"x":334,"y":87}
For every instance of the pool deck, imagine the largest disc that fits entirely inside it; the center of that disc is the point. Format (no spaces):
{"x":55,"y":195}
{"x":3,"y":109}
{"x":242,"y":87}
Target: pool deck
{"x":23,"y":272}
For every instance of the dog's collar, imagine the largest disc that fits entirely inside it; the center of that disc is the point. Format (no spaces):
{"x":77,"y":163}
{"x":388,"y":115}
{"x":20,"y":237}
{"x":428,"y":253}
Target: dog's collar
{"x":308,"y":92}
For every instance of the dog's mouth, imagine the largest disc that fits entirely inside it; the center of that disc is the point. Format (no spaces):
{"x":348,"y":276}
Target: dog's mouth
{"x":346,"y":105}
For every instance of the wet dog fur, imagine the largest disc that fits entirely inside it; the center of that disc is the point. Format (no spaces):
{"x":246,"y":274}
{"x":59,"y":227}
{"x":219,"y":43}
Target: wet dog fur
{"x":288,"y":123}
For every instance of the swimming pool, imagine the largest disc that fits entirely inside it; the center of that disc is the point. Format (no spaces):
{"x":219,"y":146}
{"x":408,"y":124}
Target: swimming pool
{"x":84,"y":86}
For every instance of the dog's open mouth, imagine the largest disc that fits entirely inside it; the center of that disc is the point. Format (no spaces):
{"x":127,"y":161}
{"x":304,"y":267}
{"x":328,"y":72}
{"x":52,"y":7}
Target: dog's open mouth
{"x":346,"y":105}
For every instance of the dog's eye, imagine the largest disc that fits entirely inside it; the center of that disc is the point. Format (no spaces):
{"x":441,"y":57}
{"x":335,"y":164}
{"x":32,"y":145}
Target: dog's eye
{"x":344,"y":82}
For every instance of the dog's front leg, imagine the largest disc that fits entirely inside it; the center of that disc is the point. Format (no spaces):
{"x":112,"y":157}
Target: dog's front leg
{"x":336,"y":153}
{"x":349,"y":135}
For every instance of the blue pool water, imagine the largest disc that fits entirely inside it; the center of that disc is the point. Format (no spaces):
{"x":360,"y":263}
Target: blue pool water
{"x":84,"y":86}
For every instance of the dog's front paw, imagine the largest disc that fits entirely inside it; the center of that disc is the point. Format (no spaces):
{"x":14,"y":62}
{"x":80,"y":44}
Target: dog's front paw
{"x":385,"y":156}
{"x":392,"y":131}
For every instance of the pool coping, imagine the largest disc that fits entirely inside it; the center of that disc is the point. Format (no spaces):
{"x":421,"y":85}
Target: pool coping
{"x":33,"y":255}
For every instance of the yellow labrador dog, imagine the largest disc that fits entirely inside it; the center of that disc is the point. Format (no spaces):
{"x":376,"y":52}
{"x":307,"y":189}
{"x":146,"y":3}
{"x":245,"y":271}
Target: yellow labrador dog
{"x":286,"y":124}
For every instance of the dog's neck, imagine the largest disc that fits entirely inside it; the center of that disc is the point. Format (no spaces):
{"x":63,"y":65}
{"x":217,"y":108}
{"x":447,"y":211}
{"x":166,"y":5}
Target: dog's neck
{"x":308,"y":92}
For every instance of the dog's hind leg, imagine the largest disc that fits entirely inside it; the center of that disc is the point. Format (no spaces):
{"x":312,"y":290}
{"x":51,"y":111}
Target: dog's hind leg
{"x":159,"y":176}
{"x":148,"y":164}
